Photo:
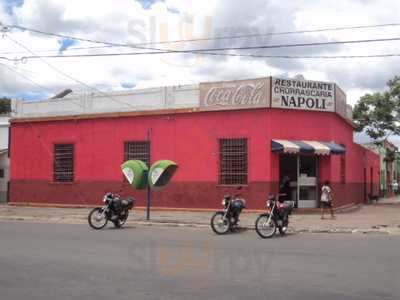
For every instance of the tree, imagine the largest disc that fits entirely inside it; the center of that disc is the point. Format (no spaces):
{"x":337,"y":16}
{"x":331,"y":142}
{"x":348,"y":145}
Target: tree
{"x":379,"y":114}
{"x":5,"y":105}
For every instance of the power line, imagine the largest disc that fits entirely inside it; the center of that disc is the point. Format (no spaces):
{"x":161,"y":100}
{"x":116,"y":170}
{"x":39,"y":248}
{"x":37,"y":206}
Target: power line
{"x":208,"y":38}
{"x":33,"y":82}
{"x":194,"y":40}
{"x":281,"y":33}
{"x":206,"y":51}
{"x":57,"y":50}
{"x":221,"y":54}
{"x":210,"y":51}
{"x":68,"y":76}
{"x":26,"y":78}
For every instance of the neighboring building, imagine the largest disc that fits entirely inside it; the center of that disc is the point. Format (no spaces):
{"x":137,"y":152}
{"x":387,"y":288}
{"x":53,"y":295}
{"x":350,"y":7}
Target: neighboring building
{"x":4,"y":161}
{"x":389,"y":164}
{"x":396,"y":174}
{"x":250,"y":133}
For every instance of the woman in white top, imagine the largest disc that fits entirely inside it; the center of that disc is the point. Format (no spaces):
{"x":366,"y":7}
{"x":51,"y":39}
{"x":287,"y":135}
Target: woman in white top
{"x":326,"y":199}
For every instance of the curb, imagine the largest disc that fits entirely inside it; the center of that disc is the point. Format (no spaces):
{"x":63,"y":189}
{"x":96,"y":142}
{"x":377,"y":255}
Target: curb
{"x":348,"y":208}
{"x":169,"y":224}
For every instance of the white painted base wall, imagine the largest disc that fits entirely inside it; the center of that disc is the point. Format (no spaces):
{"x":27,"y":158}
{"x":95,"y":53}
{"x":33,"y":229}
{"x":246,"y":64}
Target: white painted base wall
{"x":5,"y":165}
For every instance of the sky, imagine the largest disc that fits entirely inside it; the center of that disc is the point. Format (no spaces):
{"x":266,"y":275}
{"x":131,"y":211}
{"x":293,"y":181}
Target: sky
{"x":147,"y":21}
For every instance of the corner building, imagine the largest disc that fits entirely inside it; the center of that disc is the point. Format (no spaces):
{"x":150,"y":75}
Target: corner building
{"x":253,"y":133}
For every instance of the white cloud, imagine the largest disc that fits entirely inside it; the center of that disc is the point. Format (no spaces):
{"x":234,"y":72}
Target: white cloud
{"x":126,"y":21}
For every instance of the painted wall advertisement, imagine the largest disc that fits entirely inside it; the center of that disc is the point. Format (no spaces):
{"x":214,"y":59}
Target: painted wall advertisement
{"x":303,"y":94}
{"x":235,"y":94}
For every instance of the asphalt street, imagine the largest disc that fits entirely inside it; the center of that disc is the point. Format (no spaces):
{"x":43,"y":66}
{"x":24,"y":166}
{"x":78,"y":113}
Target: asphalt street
{"x":64,"y":261}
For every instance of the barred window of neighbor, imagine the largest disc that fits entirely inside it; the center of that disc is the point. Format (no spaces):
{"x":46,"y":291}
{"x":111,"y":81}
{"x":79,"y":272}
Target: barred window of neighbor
{"x":233,"y":161}
{"x":139,"y":150}
{"x":63,"y":164}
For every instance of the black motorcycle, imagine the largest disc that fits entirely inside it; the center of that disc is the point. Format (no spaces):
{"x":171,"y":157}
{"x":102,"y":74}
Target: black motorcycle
{"x":228,"y":219}
{"x":277,"y":217}
{"x":115,"y":210}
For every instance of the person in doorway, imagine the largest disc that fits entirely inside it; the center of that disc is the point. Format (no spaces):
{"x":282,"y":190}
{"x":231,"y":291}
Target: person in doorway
{"x":326,"y":199}
{"x":285,"y":188}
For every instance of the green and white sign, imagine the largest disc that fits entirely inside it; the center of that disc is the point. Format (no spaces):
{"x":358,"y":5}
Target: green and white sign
{"x":161,"y":173}
{"x":135,"y":171}
{"x":138,"y":175}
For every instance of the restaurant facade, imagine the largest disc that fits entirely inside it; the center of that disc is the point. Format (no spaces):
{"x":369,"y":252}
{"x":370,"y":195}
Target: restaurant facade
{"x":256,"y":133}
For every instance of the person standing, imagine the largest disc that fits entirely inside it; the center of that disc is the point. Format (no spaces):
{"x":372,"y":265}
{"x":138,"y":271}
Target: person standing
{"x":285,"y":188}
{"x":395,"y":185}
{"x":326,"y":199}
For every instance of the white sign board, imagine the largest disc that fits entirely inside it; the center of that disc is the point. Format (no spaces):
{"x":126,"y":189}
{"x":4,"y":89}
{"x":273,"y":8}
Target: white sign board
{"x":236,"y":94}
{"x":302,"y":94}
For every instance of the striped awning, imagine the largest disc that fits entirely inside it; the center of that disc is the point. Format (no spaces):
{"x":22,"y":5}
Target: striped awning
{"x":307,"y":147}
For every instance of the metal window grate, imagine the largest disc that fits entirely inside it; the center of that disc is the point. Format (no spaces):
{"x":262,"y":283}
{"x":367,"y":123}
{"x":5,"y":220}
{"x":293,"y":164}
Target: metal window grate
{"x":63,"y":167}
{"x":233,"y":161}
{"x":137,"y":150}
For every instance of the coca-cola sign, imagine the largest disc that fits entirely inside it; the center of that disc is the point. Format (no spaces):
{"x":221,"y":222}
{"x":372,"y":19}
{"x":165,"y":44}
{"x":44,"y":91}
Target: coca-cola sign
{"x":235,"y":94}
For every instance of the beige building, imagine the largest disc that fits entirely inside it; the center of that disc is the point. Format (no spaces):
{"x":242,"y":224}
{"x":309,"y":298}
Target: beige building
{"x":4,"y":160}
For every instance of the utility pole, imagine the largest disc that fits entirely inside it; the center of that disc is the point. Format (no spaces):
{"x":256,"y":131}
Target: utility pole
{"x":148,"y":206}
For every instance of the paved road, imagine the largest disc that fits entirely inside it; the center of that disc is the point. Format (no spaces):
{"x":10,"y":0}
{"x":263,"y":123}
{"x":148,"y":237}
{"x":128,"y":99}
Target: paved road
{"x":61,"y":261}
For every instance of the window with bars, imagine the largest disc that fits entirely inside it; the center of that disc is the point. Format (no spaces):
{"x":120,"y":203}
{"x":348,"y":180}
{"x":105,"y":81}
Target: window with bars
{"x":63,"y":166}
{"x":137,"y":150}
{"x":233,"y":161}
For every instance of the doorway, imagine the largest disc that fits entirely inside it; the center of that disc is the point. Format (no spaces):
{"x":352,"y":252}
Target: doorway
{"x":307,"y":181}
{"x":298,"y":179}
{"x":288,"y":176}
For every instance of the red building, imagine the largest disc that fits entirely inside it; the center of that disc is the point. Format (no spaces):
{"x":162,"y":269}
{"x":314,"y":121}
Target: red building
{"x":251,"y":133}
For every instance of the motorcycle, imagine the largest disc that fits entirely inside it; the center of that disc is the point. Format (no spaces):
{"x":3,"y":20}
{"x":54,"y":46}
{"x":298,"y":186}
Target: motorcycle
{"x":228,"y":219}
{"x":277,"y":217}
{"x":115,"y":210}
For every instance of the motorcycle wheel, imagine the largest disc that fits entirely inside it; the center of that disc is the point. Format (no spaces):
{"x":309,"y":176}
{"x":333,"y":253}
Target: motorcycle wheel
{"x":219,"y":224}
{"x":117,"y":224}
{"x":120,"y":222}
{"x":124,"y":218}
{"x":234,"y":225}
{"x":97,"y":220}
{"x":264,"y":228}
{"x":281,"y":231}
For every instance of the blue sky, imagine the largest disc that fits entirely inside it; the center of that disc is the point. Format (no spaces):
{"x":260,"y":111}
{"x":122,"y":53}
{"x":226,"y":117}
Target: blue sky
{"x":146,"y":4}
{"x":10,"y":4}
{"x":65,"y":44}
{"x":31,"y":95}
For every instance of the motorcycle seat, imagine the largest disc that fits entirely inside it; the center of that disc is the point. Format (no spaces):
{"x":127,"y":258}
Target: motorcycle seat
{"x":128,"y":203}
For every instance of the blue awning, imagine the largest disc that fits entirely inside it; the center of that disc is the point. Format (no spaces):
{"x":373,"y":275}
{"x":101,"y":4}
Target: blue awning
{"x":307,"y":147}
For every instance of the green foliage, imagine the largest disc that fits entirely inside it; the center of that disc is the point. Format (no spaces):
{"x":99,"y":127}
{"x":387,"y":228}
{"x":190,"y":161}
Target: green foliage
{"x":379,"y":114}
{"x":5,"y":105}
{"x":390,"y":155}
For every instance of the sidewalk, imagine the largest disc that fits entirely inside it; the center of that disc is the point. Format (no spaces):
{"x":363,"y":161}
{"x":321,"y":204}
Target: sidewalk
{"x":380,"y":218}
{"x":389,"y":201}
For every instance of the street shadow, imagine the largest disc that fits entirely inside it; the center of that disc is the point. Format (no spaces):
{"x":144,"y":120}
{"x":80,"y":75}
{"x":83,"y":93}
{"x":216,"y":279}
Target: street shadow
{"x":239,"y":230}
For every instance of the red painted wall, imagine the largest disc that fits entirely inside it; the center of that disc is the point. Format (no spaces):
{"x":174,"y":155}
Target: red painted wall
{"x":189,"y":139}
